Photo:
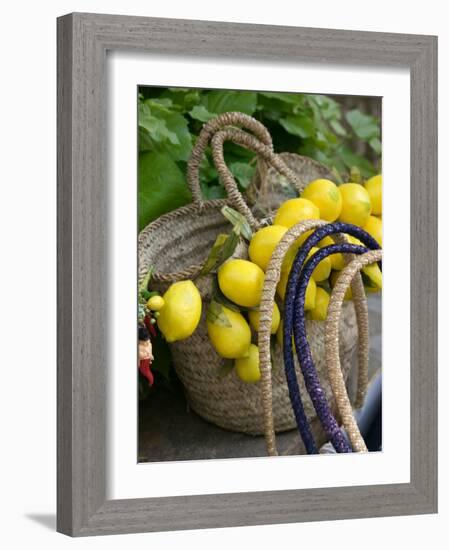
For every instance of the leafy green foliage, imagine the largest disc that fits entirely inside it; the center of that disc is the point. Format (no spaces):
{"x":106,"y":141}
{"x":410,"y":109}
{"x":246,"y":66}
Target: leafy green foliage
{"x":162,"y":186}
{"x":170,"y":119}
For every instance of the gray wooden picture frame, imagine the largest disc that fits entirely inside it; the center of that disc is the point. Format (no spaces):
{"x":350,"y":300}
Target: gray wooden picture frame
{"x":83,"y":40}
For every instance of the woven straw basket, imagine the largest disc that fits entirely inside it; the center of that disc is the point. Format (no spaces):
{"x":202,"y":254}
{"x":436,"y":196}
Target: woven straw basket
{"x":176,"y":246}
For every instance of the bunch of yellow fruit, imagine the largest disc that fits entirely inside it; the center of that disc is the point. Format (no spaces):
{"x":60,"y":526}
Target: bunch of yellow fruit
{"x":241,"y":281}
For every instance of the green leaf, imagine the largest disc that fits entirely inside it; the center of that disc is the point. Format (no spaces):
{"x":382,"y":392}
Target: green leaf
{"x":216,"y":315}
{"x":229,"y":246}
{"x":161,"y":186}
{"x":177,"y":124}
{"x":243,"y":172}
{"x":376,"y":145}
{"x":365,"y":127}
{"x":238,"y":221}
{"x":285,"y":97}
{"x":146,"y":280}
{"x":155,"y":126}
{"x":337,"y":128}
{"x":214,"y":255}
{"x":210,"y":192}
{"x":145,"y":143}
{"x":166,"y":130}
{"x":350,"y":159}
{"x":199,"y":112}
{"x":222,"y":101}
{"x":298,"y":125}
{"x":329,"y":108}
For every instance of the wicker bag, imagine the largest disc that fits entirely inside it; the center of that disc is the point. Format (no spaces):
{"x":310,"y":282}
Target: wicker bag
{"x":177,"y":244}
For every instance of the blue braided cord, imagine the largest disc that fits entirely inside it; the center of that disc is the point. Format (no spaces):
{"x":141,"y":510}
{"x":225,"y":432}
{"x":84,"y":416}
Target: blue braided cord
{"x":295,"y":397}
{"x":311,"y":379}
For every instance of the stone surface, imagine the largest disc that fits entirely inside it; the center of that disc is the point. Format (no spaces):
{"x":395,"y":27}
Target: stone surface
{"x":168,"y":430}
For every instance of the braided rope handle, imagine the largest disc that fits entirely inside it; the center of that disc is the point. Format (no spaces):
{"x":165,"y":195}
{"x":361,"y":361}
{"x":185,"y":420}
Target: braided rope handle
{"x":272,"y":277}
{"x":332,"y":345}
{"x":264,"y":152}
{"x":232,"y":118}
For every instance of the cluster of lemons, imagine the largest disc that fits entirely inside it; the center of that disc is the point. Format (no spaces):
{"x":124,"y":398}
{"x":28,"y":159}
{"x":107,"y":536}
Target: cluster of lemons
{"x":241,"y":281}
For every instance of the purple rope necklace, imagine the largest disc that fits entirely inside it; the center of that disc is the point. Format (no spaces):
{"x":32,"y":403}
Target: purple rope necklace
{"x":294,"y":317}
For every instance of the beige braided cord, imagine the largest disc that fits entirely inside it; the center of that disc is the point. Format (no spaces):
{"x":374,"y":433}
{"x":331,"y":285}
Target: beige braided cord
{"x":272,"y":277}
{"x":332,"y":345}
{"x":253,"y":144}
{"x":361,"y":310}
{"x":193,"y":181}
{"x":207,"y":131}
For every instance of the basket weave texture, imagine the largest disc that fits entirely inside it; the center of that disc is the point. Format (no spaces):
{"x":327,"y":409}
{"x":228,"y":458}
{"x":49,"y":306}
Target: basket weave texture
{"x":176,"y":246}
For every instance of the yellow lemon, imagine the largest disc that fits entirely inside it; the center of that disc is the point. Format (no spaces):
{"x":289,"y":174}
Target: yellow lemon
{"x":263,"y":243}
{"x":374,"y":227}
{"x":181,"y":313}
{"x":373,"y":274}
{"x":374,"y":188}
{"x":337,"y":260}
{"x":326,"y":195}
{"x":323,"y":269}
{"x":232,"y":338}
{"x":333,"y":279}
{"x":319,"y":312}
{"x":241,"y":282}
{"x":309,"y":302}
{"x":254,"y":319}
{"x":354,"y":240}
{"x":155,"y":303}
{"x":293,"y":211}
{"x":356,"y":207}
{"x":247,"y":368}
{"x":372,"y":277}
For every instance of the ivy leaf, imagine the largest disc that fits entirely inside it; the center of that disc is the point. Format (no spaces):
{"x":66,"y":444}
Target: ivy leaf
{"x":163,"y":129}
{"x":210,"y":192}
{"x":285,"y":97}
{"x":199,"y":112}
{"x":216,"y":315}
{"x":365,"y":127}
{"x":222,"y":101}
{"x":161,"y":186}
{"x":145,"y":143}
{"x":155,"y":126}
{"x":337,"y":128}
{"x":376,"y":145}
{"x":177,"y":124}
{"x":243,"y":172}
{"x":298,"y":125}
{"x":350,"y":159}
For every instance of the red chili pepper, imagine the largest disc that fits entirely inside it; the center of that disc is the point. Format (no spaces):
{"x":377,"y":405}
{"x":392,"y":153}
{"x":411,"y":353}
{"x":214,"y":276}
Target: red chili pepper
{"x":144,"y":368}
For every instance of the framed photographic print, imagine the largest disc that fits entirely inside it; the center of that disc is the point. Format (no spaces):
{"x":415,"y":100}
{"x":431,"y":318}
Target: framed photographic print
{"x":238,"y":342}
